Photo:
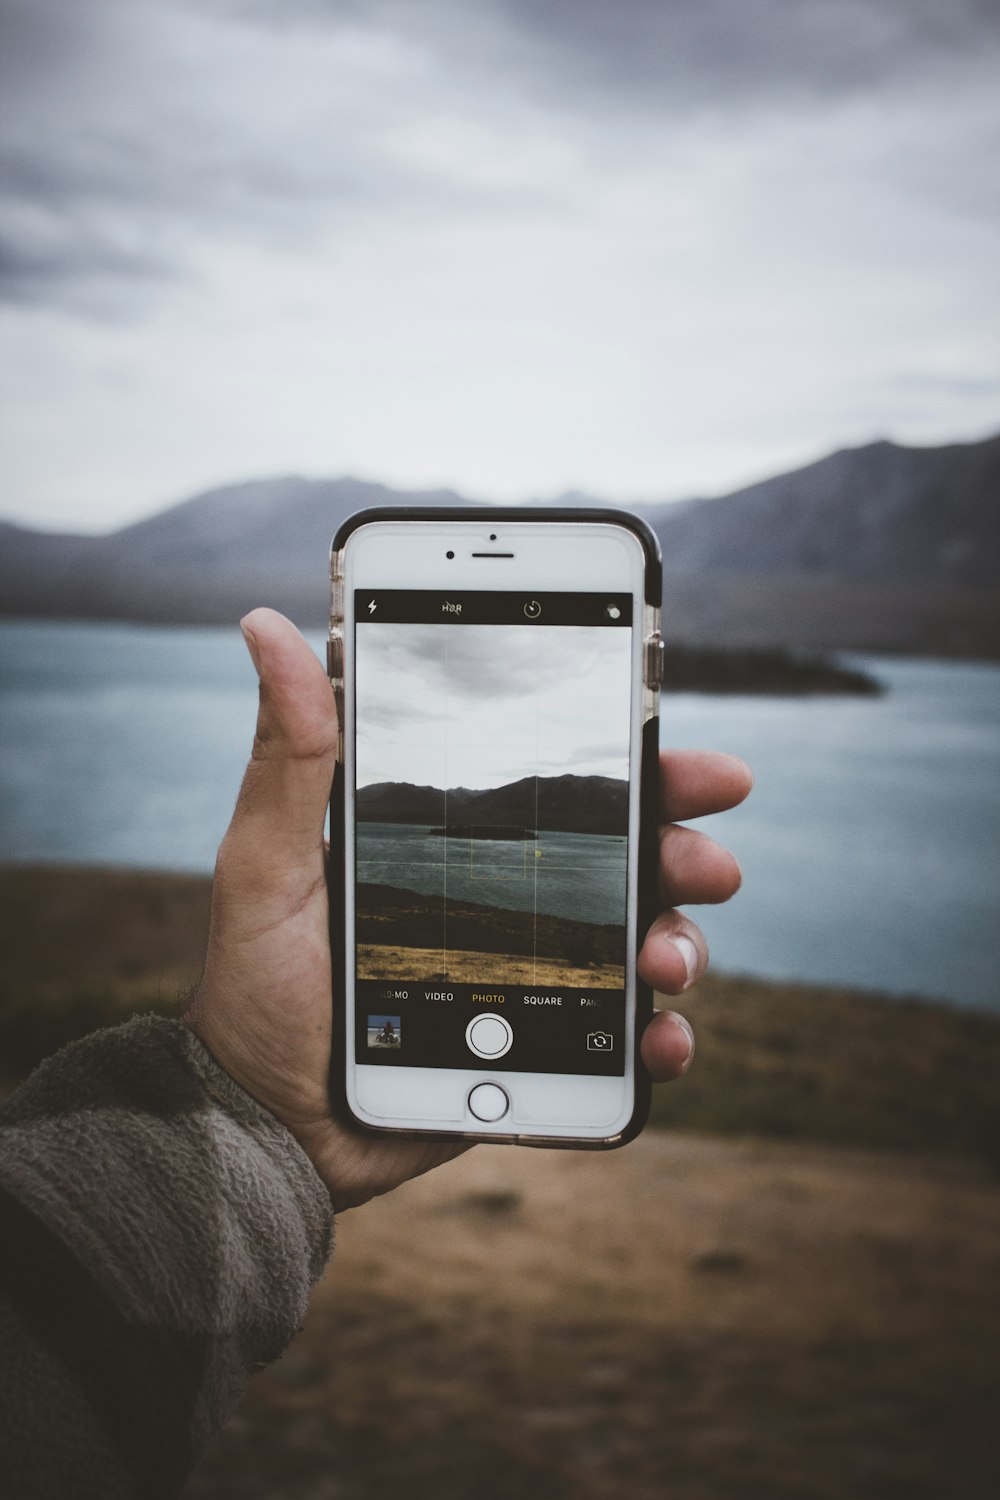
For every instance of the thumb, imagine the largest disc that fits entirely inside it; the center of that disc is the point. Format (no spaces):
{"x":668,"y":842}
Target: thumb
{"x":278,"y":823}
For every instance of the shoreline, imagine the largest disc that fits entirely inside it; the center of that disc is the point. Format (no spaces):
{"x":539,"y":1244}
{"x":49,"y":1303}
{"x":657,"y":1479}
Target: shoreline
{"x":83,"y":947}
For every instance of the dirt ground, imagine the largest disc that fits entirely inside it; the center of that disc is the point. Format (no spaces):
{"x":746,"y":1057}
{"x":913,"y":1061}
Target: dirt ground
{"x":689,"y":1318}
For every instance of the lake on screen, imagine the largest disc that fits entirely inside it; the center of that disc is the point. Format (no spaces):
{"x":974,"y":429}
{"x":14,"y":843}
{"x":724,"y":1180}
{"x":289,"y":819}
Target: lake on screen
{"x":870,"y":846}
{"x":575,"y":875}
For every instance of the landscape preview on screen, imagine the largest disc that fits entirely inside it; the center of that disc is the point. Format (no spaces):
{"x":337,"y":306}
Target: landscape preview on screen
{"x":491,"y":785}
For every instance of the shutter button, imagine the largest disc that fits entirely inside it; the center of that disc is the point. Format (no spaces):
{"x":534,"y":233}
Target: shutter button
{"x":489,"y":1036}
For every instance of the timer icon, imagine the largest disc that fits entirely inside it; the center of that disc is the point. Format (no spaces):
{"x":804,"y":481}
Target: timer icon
{"x":532,"y":609}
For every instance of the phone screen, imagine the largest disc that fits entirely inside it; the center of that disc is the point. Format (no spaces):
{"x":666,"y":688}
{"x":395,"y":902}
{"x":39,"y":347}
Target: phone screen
{"x":492,"y":762}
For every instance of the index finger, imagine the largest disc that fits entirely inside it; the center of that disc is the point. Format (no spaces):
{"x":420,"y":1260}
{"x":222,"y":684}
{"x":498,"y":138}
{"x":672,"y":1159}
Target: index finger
{"x":696,"y":782}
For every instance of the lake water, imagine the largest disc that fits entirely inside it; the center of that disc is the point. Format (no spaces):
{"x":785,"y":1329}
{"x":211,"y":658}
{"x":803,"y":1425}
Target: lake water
{"x":870,"y":846}
{"x":577,"y":875}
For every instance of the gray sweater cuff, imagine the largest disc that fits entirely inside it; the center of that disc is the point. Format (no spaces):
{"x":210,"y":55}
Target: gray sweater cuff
{"x":191,"y":1208}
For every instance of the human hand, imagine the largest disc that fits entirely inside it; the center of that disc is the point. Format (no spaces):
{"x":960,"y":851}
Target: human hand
{"x":264,"y":1004}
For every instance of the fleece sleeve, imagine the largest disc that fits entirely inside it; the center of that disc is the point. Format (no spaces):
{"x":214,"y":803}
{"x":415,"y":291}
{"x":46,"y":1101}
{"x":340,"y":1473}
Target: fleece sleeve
{"x":159,"y":1235}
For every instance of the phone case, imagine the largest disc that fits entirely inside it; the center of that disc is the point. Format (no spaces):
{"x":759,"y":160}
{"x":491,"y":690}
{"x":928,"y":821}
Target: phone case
{"x":648,"y":852}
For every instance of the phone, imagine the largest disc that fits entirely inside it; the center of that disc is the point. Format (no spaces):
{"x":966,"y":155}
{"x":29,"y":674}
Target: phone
{"x":493,"y":820}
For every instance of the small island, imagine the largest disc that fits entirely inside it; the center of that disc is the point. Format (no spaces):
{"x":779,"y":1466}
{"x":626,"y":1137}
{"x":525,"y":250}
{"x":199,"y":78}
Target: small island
{"x":767,"y":670}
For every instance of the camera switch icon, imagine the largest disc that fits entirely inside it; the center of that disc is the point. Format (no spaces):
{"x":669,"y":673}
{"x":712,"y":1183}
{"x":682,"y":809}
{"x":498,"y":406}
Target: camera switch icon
{"x":600,"y":1041}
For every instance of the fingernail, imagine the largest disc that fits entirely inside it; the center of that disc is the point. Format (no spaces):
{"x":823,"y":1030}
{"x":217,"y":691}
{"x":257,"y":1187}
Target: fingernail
{"x":689,"y":955}
{"x":685,"y":1026}
{"x":252,"y":646}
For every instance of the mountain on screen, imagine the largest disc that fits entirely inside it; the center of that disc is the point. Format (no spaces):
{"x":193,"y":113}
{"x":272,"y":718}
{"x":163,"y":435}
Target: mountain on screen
{"x":563,"y":804}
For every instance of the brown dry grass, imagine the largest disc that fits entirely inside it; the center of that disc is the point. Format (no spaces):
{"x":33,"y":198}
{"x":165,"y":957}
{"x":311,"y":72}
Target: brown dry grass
{"x":455,"y":966}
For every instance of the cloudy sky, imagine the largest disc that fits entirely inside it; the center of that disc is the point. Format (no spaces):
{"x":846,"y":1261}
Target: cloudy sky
{"x":482,"y":705}
{"x":647,"y":248}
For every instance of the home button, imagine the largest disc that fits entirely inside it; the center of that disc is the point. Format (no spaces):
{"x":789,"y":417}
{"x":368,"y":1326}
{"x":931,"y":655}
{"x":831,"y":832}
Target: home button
{"x":488,"y":1102}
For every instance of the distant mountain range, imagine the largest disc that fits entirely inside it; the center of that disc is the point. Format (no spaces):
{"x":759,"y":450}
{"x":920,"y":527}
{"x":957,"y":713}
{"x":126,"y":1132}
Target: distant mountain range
{"x":564,"y":804}
{"x":880,"y":548}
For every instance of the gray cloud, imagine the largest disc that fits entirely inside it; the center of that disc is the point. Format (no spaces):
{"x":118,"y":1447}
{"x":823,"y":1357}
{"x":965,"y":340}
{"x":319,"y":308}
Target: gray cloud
{"x":83,"y":272}
{"x":123,"y":150}
{"x":449,"y":660}
{"x":955,"y":385}
{"x":669,"y":54}
{"x":137,"y":131}
{"x":133,"y":140}
{"x":517,"y":246}
{"x":727,"y":52}
{"x":384,"y":715}
{"x":112,"y":213}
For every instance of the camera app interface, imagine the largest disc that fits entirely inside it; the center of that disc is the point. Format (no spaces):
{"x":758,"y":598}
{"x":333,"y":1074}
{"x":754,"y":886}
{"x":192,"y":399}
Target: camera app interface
{"x":492,"y":766}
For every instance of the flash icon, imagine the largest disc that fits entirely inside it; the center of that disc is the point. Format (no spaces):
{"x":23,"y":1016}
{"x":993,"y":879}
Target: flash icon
{"x":371,"y":607}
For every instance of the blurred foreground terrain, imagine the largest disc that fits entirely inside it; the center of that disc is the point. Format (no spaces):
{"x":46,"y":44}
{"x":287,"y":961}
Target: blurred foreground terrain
{"x":787,"y":1288}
